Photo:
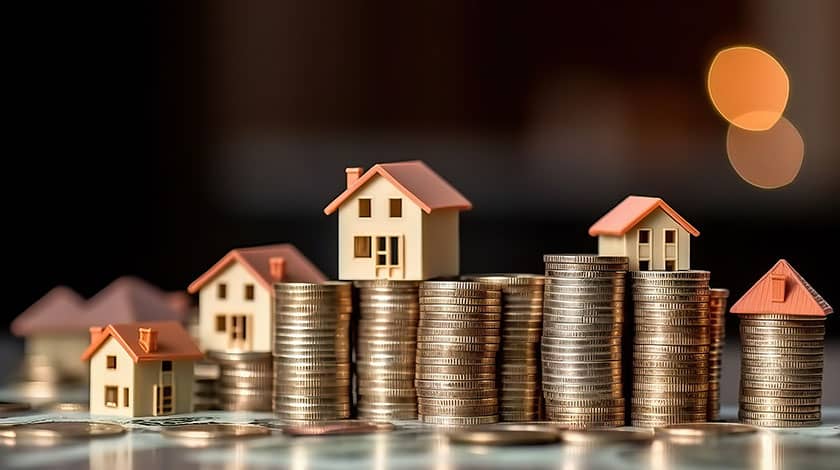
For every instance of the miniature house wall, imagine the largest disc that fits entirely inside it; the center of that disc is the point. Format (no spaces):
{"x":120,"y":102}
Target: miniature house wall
{"x":655,"y":251}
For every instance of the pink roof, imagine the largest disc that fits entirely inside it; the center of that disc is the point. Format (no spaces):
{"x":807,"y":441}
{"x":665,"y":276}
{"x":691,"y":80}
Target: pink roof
{"x":58,"y":311}
{"x":630,"y":212}
{"x":129,"y":299}
{"x":416,"y":180}
{"x":800,"y":298}
{"x":173,"y":342}
{"x":256,"y":260}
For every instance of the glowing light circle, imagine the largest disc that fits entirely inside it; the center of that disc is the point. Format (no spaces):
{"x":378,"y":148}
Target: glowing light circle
{"x":766,"y":159}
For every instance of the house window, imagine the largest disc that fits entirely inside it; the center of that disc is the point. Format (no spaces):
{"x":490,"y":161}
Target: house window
{"x":396,"y":207}
{"x":221,"y":323}
{"x":364,"y":207}
{"x":395,"y":250}
{"x":644,"y":236}
{"x":111,"y":396}
{"x":361,"y":247}
{"x":387,"y":251}
{"x":111,"y":362}
{"x":221,"y":290}
{"x":670,"y":265}
{"x":644,"y":265}
{"x":125,"y":397}
{"x":670,"y":236}
{"x":249,"y":292}
{"x":166,"y":366}
{"x":777,"y":288}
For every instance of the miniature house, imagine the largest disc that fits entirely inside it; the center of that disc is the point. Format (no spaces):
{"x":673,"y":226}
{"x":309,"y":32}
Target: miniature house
{"x":236,"y":296}
{"x":647,"y":231}
{"x":782,"y":291}
{"x":397,"y":221}
{"x":56,"y":334}
{"x":129,"y":299}
{"x":141,"y":369}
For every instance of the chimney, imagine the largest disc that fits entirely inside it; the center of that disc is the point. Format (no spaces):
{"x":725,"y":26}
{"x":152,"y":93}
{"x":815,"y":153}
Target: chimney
{"x":148,"y":339}
{"x":95,"y":331}
{"x":277,"y":268}
{"x":353,"y":174}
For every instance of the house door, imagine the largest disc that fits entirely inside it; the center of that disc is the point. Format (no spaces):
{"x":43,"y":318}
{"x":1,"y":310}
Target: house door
{"x":239,"y":332}
{"x":389,"y":257}
{"x":164,"y":399}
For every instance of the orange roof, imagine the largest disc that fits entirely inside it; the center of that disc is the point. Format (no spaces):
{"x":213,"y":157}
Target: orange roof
{"x":416,"y":180}
{"x":129,"y":299}
{"x":256,"y":260}
{"x":799,"y":297}
{"x":630,"y":212}
{"x":173,"y":342}
{"x":58,"y":311}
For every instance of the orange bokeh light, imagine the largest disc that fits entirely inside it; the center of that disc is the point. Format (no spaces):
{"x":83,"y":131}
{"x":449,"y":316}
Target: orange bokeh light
{"x":748,"y":87}
{"x":767,"y":159}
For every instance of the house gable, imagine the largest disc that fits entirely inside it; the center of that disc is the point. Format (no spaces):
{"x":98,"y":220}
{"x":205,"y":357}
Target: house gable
{"x":630,"y":212}
{"x":782,"y":291}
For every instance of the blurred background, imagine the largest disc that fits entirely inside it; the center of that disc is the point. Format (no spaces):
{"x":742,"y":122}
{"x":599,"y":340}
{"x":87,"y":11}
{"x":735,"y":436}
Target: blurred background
{"x":149,"y":139}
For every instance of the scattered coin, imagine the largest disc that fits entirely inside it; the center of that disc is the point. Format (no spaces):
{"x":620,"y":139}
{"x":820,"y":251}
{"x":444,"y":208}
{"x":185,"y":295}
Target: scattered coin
{"x":604,"y":436}
{"x":325,"y":428}
{"x":214,"y":431}
{"x":705,"y":429}
{"x":51,"y":433}
{"x":506,"y":436}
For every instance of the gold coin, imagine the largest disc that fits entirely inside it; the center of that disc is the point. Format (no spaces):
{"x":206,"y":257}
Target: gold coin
{"x":605,"y":436}
{"x":49,"y":433}
{"x":214,"y":431}
{"x":326,"y":428}
{"x":503,"y":436}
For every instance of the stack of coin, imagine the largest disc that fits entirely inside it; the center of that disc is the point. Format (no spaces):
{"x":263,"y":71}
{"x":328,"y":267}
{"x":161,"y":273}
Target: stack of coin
{"x":245,"y":380}
{"x":386,"y":349}
{"x":518,"y":362}
{"x":312,"y":351}
{"x":781,"y":370}
{"x":671,"y":347}
{"x":205,"y":385}
{"x":583,"y":315}
{"x":457,"y":342}
{"x":717,"y":334}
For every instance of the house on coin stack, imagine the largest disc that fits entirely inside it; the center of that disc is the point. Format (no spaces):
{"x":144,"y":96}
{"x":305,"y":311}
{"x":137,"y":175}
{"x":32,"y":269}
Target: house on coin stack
{"x":782,"y":291}
{"x":236,"y":296}
{"x":397,"y":221}
{"x":141,"y":369}
{"x":56,"y":334}
{"x":647,"y":231}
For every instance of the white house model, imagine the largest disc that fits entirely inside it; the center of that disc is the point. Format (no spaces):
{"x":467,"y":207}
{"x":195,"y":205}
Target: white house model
{"x":647,"y":231}
{"x":397,"y":221}
{"x":236,"y":296}
{"x":141,"y":369}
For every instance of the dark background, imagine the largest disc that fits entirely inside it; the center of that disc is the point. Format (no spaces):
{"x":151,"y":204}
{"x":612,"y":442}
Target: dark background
{"x":149,"y":139}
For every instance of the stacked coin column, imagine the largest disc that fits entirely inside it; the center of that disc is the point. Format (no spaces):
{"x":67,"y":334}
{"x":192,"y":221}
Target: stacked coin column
{"x":671,"y":347}
{"x":518,"y":362}
{"x":245,"y":380}
{"x":781,"y":370}
{"x":312,"y":351}
{"x":717,"y":334}
{"x":386,"y":349}
{"x":583,"y":313}
{"x":457,"y":342}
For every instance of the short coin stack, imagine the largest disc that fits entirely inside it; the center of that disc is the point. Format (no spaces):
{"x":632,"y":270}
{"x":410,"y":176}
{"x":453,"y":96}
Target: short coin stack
{"x":781,"y":370}
{"x":205,"y":386}
{"x":583,"y":315}
{"x":245,"y":380}
{"x":312,"y":351}
{"x":387,"y":349}
{"x":717,"y":334}
{"x":518,"y":363}
{"x":671,"y":347}
{"x":457,"y":342}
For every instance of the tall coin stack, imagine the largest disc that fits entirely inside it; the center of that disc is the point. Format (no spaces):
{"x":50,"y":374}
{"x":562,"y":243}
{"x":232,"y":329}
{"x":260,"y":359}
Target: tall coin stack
{"x":717,"y":334}
{"x":781,"y":370}
{"x":387,"y":349}
{"x":457,"y":342}
{"x":245,"y":380}
{"x":518,"y":363}
{"x":671,"y":347}
{"x":312,"y":351}
{"x":583,"y":315}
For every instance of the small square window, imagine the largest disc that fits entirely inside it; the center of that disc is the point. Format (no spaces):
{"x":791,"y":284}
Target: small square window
{"x":361,"y":247}
{"x":221,"y":290}
{"x":125,"y":397}
{"x":111,"y":396}
{"x":221,"y":323}
{"x":166,"y":366}
{"x":670,"y":265}
{"x":644,"y":265}
{"x":111,"y":362}
{"x":670,"y":236}
{"x":249,"y":292}
{"x":644,"y":235}
{"x":364,"y":207}
{"x":396,"y":207}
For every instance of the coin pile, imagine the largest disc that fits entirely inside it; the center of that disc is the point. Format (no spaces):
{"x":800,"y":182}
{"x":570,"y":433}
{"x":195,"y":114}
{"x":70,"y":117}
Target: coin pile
{"x":386,"y":349}
{"x":583,"y":315}
{"x":245,"y":380}
{"x":781,"y":370}
{"x":518,"y":362}
{"x":457,"y":342}
{"x":205,"y":385}
{"x":671,"y":347}
{"x":717,"y":333}
{"x":312,"y":351}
